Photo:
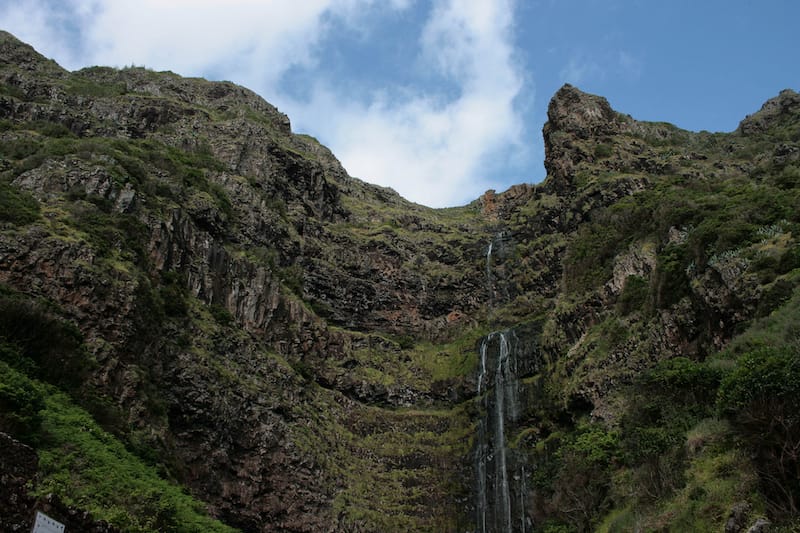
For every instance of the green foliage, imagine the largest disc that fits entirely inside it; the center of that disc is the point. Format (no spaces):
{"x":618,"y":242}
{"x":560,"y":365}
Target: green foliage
{"x":292,"y":278}
{"x":762,"y":397}
{"x":601,"y":151}
{"x":405,"y":342}
{"x":665,"y":402}
{"x":48,"y":128}
{"x":110,"y":233}
{"x":671,"y":283}
{"x":80,"y":86}
{"x":634,"y":296}
{"x":580,"y":488}
{"x":683,"y":381}
{"x":89,"y":468}
{"x":16,"y":206}
{"x":190,"y":168}
{"x":221,"y":315}
{"x":172,"y":295}
{"x":775,"y":295}
{"x":12,"y":90}
{"x":764,"y":377}
{"x":20,"y":401}
{"x":587,"y":262}
{"x":42,"y":344}
{"x":669,"y":398}
{"x":19,"y":148}
{"x":594,"y":445}
{"x":789,"y":177}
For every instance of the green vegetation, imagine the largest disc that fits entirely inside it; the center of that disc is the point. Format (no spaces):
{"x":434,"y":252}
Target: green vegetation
{"x":690,"y":431}
{"x":761,"y":396}
{"x":16,"y":206}
{"x":88,"y":467}
{"x":44,"y":366}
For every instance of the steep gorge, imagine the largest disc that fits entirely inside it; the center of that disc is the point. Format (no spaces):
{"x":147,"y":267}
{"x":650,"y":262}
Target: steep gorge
{"x":302,"y":351}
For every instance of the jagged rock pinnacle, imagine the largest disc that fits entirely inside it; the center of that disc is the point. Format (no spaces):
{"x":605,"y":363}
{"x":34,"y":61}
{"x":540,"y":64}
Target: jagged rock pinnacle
{"x":785,"y":106}
{"x":575,"y":115}
{"x":582,"y":114}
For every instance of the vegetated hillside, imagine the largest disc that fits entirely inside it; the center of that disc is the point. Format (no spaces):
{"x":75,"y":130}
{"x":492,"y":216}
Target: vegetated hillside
{"x":203,"y":317}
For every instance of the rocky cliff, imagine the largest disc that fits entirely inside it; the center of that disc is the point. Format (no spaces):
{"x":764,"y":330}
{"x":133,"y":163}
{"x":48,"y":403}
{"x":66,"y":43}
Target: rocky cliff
{"x":207,"y":324}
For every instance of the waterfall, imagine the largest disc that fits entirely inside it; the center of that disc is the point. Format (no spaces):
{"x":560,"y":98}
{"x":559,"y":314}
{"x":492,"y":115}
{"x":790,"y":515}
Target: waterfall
{"x":499,"y":476}
{"x":489,"y":287}
{"x":499,"y":473}
{"x":489,"y":262}
{"x":502,"y":497}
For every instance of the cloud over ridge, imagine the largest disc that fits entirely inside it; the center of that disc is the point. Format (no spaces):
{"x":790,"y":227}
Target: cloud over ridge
{"x":429,"y":142}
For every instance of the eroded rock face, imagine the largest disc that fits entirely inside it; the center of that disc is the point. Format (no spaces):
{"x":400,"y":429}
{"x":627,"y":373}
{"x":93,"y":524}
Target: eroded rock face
{"x":299,"y":347}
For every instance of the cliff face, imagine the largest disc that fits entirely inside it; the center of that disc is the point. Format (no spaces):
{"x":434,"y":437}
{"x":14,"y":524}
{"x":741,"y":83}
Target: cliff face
{"x":306,"y":352}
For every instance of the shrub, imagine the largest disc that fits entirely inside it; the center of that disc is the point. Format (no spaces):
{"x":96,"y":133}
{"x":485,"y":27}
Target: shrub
{"x":582,"y":477}
{"x":172,"y":295}
{"x":671,"y":281}
{"x":221,"y":314}
{"x":634,"y":296}
{"x":16,"y":206}
{"x":762,"y":398}
{"x":601,"y":151}
{"x":789,"y":177}
{"x":44,"y":345}
{"x":684,"y":381}
{"x":20,"y":402}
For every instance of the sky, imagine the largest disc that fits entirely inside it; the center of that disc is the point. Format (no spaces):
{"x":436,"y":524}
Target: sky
{"x":442,"y":99}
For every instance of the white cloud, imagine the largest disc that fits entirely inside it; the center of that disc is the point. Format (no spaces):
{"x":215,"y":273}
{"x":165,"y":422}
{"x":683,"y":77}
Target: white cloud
{"x":430,"y":144}
{"x":433,"y":150}
{"x":39,"y":23}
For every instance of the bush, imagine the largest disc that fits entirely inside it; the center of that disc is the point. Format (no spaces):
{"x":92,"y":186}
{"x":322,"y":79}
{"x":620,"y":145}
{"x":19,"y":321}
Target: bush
{"x":601,"y":151}
{"x":16,"y":206}
{"x":635,"y":295}
{"x":43,"y":345}
{"x":221,"y":315}
{"x":666,"y":402}
{"x":789,"y":177}
{"x":684,"y":381}
{"x":761,"y":396}
{"x":580,"y":488}
{"x":671,"y":281}
{"x":20,"y":402}
{"x":173,"y":296}
{"x":110,"y":232}
{"x":90,"y":468}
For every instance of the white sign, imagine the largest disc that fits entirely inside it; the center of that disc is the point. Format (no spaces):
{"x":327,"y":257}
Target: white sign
{"x":45,"y":524}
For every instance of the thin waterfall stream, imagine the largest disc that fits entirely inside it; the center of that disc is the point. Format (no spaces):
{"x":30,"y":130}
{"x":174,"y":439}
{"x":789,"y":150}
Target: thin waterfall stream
{"x":499,"y":474}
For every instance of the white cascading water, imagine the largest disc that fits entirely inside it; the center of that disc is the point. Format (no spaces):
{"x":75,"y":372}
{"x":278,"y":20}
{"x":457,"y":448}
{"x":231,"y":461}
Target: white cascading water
{"x":491,"y":462}
{"x":502,"y":496}
{"x":481,"y":449}
{"x":489,"y":286}
{"x":500,"y":403}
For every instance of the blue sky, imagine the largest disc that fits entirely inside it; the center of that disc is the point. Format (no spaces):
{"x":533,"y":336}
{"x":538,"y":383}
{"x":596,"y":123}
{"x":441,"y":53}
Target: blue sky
{"x":442,"y":99}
